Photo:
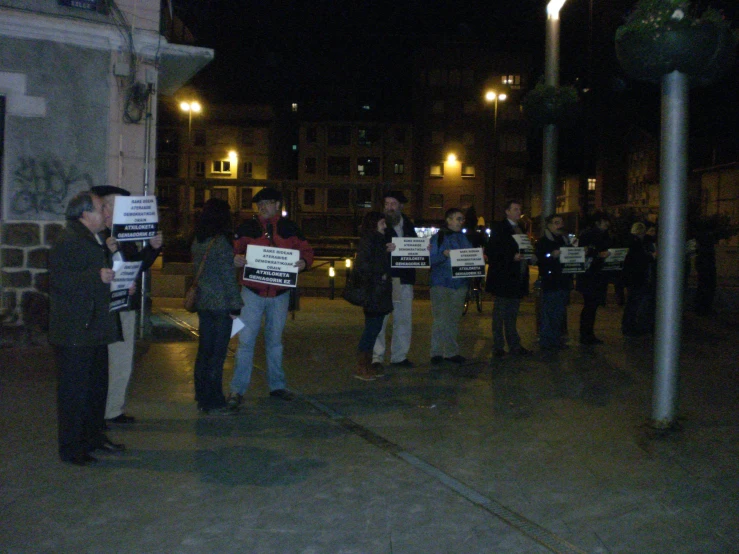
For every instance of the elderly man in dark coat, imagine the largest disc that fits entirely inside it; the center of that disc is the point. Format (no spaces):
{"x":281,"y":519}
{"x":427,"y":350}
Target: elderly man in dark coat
{"x":80,"y":329}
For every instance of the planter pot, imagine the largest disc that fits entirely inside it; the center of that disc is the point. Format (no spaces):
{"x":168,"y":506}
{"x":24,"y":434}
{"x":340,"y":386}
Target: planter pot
{"x":702,"y":51}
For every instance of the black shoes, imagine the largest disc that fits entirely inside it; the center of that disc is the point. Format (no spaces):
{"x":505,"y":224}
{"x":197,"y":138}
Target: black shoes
{"x":81,"y":459}
{"x":283,"y":394}
{"x":457,"y":359}
{"x":110,"y":447}
{"x":405,"y":363}
{"x":123,"y":419}
{"x":520,"y":351}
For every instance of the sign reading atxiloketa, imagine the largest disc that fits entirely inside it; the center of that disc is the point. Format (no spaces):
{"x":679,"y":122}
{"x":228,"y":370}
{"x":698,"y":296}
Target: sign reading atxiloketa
{"x":410,"y":252}
{"x":525,"y":248}
{"x":572,"y":259}
{"x":615,"y":262}
{"x":270,"y":265}
{"x":135,"y":218}
{"x":467,"y":262}
{"x":125,"y":276}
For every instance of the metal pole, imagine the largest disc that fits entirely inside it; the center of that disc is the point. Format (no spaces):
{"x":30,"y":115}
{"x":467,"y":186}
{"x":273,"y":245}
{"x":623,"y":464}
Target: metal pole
{"x":551,"y":136}
{"x":671,"y":254}
{"x":147,"y":161}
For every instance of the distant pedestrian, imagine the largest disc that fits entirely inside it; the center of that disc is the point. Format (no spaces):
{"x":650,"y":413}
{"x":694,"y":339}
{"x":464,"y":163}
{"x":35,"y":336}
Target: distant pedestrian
{"x":555,"y":285}
{"x":372,"y":265}
{"x":640,"y":278}
{"x":263,"y":301}
{"x":593,"y":284}
{"x":447,"y":293}
{"x":398,"y":225}
{"x":218,"y":303}
{"x":507,"y":280}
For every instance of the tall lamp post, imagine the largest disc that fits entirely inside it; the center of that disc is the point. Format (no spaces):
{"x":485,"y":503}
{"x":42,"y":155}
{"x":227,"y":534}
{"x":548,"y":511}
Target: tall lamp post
{"x":190,"y":107}
{"x":551,"y":136}
{"x":493,"y":97}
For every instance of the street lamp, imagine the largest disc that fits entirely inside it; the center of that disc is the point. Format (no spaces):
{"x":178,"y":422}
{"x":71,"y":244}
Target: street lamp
{"x":551,"y":137}
{"x":493,"y":97}
{"x":191,"y":107}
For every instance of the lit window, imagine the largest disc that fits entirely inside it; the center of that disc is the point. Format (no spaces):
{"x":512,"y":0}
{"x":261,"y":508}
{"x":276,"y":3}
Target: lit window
{"x":513,"y":81}
{"x":436,"y":170}
{"x":468,"y":170}
{"x":591,"y":183}
{"x":294,"y":107}
{"x":399,"y":167}
{"x":248,"y":168}
{"x":222,"y":166}
{"x":368,"y":167}
{"x":368,"y":135}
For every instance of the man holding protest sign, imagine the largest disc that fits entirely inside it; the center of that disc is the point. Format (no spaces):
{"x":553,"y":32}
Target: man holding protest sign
{"x":509,"y":254}
{"x":270,"y":271}
{"x":120,"y":354}
{"x":404,"y":278}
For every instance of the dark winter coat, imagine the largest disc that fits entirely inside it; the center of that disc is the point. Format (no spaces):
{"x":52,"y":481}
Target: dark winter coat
{"x":550,"y":268}
{"x":639,"y":265}
{"x":594,"y":281}
{"x":79,"y":300}
{"x":373,"y":266}
{"x":506,"y":278}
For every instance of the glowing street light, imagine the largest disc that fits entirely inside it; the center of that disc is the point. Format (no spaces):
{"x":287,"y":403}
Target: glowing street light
{"x":493,"y":97}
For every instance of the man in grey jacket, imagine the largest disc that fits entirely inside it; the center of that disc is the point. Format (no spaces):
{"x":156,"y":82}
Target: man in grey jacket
{"x":80,"y":329}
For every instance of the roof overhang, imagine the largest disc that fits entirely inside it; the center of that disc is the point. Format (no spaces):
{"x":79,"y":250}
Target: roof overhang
{"x":179,"y":63}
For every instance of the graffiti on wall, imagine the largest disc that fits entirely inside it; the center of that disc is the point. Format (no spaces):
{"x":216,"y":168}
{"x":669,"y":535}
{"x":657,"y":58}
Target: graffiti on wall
{"x":42,"y":185}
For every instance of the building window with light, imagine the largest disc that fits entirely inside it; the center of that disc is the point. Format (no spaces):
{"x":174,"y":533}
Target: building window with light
{"x":367,"y":136}
{"x":248,"y":169}
{"x":368,"y":167}
{"x":222,"y":167}
{"x":513,"y":81}
{"x":246,"y":195}
{"x":399,"y":167}
{"x":436,"y":170}
{"x":339,"y":166}
{"x":436,"y":200}
{"x":199,"y":168}
{"x":199,"y":137}
{"x":468,"y":170}
{"x":294,"y":107}
{"x":310,"y":166}
{"x":591,"y":183}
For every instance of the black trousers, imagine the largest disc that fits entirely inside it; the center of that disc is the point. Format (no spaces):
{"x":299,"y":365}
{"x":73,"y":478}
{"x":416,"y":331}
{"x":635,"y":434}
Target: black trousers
{"x":587,"y":315}
{"x":81,"y":395}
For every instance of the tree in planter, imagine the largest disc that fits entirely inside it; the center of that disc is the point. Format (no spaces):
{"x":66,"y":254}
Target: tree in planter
{"x":548,"y":105}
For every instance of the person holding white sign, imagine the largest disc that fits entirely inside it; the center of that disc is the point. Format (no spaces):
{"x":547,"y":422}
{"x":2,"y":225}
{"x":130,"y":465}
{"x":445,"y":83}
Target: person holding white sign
{"x":265,"y":300}
{"x":120,"y":354}
{"x":593,"y":284}
{"x":447,"y":293}
{"x":508,"y":280}
{"x":404,"y":278}
{"x":555,"y":285}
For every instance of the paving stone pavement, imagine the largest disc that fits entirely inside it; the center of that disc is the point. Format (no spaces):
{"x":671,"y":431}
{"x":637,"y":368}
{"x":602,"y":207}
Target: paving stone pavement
{"x":535,"y":454}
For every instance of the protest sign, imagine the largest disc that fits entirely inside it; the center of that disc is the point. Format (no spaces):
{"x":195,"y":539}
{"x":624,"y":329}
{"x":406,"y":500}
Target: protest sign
{"x":467,"y":262}
{"x":615,"y":262}
{"x":572,"y":259}
{"x":135,"y":218}
{"x":271,"y":265}
{"x":125,"y":276}
{"x":525,"y":248}
{"x":410,"y":252}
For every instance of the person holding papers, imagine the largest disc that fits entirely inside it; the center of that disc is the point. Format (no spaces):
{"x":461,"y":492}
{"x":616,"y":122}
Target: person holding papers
{"x":508,"y":279}
{"x":447,"y":293}
{"x":593,"y":284}
{"x":218,"y":303}
{"x":80,"y":329}
{"x":555,"y":285}
{"x":263,"y":299}
{"x":640,"y":278}
{"x":120,"y":354}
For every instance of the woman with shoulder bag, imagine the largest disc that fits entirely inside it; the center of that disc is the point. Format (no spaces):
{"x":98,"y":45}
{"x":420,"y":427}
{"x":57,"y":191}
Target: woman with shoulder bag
{"x":373,"y":267}
{"x":218,"y":302}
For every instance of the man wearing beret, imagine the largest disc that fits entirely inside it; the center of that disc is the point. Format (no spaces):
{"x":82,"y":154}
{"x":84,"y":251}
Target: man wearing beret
{"x":268,"y":228}
{"x":398,"y":225}
{"x":120,"y":354}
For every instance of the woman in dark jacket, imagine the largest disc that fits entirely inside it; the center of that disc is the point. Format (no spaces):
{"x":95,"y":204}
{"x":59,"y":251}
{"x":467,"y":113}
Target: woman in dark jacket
{"x":638,"y":276}
{"x":218,"y":303}
{"x":373,"y":267}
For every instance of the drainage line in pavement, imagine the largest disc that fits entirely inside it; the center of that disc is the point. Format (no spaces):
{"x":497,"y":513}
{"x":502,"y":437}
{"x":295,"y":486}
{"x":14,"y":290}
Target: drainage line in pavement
{"x":529,"y":528}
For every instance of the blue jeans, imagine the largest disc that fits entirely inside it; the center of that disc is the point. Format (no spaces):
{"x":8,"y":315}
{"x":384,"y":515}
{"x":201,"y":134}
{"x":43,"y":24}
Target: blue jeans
{"x":553,"y":313}
{"x":274,"y":311}
{"x":215,"y":333}
{"x":372,"y":328}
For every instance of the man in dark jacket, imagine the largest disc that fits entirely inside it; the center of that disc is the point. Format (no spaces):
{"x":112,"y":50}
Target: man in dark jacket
{"x":120,"y":354}
{"x":263,"y":300}
{"x":555,"y":285}
{"x":80,"y":328}
{"x":507,"y":280}
{"x":398,"y":225}
{"x":593,"y":284}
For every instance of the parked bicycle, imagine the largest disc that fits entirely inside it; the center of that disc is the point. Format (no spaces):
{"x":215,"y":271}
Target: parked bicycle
{"x":474,"y":294}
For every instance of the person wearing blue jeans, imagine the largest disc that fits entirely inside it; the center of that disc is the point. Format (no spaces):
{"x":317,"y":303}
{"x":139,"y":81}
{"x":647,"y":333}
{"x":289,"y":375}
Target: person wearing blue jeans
{"x":555,"y":285}
{"x":265,"y":300}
